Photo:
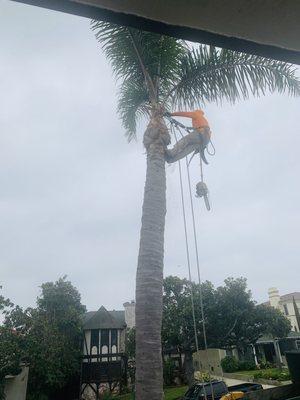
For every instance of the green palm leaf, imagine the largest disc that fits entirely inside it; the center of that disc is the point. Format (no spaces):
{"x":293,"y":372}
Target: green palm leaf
{"x":145,"y":64}
{"x":208,"y":74}
{"x":153,"y":68}
{"x":133,"y":103}
{"x":132,"y":52}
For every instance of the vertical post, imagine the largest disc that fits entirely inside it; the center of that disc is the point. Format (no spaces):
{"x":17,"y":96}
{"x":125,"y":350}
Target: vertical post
{"x":254,"y":354}
{"x":97,"y":388}
{"x":277,"y":352}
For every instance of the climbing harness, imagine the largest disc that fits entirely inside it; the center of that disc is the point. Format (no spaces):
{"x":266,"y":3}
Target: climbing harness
{"x":173,"y":129}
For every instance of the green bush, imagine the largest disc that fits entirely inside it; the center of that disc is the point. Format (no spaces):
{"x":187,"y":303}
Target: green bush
{"x":273,"y":375}
{"x":202,"y":376}
{"x":246,"y":365}
{"x":266,"y":365}
{"x":106,"y":395}
{"x":169,"y":370}
{"x":230,"y":364}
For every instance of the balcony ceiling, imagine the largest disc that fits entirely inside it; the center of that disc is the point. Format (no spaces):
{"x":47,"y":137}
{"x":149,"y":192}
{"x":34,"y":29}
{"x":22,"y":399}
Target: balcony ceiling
{"x":270,"y":28}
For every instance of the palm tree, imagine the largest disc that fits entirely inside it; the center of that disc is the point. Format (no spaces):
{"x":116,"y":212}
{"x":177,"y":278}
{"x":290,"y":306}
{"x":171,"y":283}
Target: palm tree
{"x":157,"y":73}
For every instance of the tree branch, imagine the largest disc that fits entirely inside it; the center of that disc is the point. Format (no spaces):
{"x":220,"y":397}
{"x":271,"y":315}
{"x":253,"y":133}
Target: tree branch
{"x":147,"y":77}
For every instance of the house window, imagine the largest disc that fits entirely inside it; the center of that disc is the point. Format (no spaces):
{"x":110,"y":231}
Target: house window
{"x":298,"y":344}
{"x":94,"y":341}
{"x":114,"y":341}
{"x":286,"y":311}
{"x":114,"y":338}
{"x":104,"y":339}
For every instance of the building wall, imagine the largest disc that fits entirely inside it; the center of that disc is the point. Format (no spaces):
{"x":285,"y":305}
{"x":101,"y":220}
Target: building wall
{"x":210,"y":362}
{"x":87,"y":345}
{"x":16,"y":387}
{"x":122,"y":340}
{"x":130,"y":314}
{"x":285,"y":306}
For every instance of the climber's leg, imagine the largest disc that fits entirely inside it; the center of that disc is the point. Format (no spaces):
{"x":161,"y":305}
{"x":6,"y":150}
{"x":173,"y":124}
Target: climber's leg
{"x":184,"y":147}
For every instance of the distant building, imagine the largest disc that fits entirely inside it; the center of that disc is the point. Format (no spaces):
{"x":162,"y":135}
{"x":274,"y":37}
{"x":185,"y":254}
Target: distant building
{"x":272,"y":349}
{"x":285,"y":304}
{"x":130,"y":314}
{"x":104,"y":361}
{"x":267,"y":348}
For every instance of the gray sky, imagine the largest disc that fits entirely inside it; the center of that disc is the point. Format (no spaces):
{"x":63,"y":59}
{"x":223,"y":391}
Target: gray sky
{"x":71,"y":187}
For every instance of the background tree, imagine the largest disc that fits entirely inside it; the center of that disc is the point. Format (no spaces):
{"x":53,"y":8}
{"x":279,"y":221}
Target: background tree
{"x":11,"y":353}
{"x":130,"y":343}
{"x":157,"y":72}
{"x":10,"y":347}
{"x":234,"y":301}
{"x":244,"y":324}
{"x":4,"y":303}
{"x":51,"y":338}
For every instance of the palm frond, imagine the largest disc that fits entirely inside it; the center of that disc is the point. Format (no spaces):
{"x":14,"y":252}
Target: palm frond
{"x":117,"y":45}
{"x":132,"y":104}
{"x":144,"y":63}
{"x":152,"y":68}
{"x":208,"y":74}
{"x":126,"y":48}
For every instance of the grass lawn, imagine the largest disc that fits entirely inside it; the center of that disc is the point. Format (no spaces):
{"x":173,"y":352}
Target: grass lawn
{"x":175,"y":392}
{"x":171,"y":393}
{"x":249,"y":373}
{"x":269,"y":374}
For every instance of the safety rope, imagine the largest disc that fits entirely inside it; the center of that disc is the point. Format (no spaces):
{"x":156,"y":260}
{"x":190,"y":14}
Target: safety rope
{"x":197,"y":256}
{"x":187,"y":246}
{"x":213,"y":153}
{"x":201,"y":168}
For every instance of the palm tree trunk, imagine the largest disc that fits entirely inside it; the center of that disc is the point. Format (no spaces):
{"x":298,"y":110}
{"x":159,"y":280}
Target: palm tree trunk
{"x":149,"y":278}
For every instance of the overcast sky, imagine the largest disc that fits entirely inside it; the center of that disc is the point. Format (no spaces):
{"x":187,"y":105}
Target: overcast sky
{"x":71,"y":186}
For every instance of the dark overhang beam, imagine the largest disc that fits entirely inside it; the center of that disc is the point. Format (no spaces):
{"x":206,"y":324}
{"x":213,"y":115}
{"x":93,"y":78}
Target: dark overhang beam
{"x":275,"y":37}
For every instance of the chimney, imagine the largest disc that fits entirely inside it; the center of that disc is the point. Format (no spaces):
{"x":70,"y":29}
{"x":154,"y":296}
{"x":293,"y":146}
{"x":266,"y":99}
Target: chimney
{"x":274,"y":297}
{"x":130,"y":314}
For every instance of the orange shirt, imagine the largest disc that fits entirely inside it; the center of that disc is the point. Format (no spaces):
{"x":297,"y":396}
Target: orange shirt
{"x":198,"y":119}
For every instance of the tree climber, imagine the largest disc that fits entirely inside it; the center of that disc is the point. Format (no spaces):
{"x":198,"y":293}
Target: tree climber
{"x":197,"y":140}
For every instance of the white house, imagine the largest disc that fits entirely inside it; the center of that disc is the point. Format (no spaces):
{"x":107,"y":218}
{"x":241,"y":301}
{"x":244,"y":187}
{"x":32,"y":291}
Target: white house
{"x":273,"y":349}
{"x":285,"y":304}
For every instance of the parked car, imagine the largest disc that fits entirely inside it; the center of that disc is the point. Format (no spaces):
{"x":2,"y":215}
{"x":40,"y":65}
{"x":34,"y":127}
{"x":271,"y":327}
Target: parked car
{"x":245,"y":387}
{"x":203,"y":391}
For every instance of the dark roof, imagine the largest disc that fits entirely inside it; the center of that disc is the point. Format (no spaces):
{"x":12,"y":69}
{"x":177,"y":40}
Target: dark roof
{"x":103,"y":319}
{"x":290,"y":296}
{"x":268,"y":339}
{"x":286,"y":297}
{"x":293,"y":335}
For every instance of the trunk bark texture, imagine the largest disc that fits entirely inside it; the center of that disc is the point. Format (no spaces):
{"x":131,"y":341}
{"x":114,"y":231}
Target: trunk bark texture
{"x":189,"y":368}
{"x":149,"y":278}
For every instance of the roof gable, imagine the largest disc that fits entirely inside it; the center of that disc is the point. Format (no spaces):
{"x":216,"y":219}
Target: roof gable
{"x":103,"y":319}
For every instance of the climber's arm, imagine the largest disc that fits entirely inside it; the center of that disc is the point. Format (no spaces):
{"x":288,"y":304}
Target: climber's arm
{"x":187,"y":114}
